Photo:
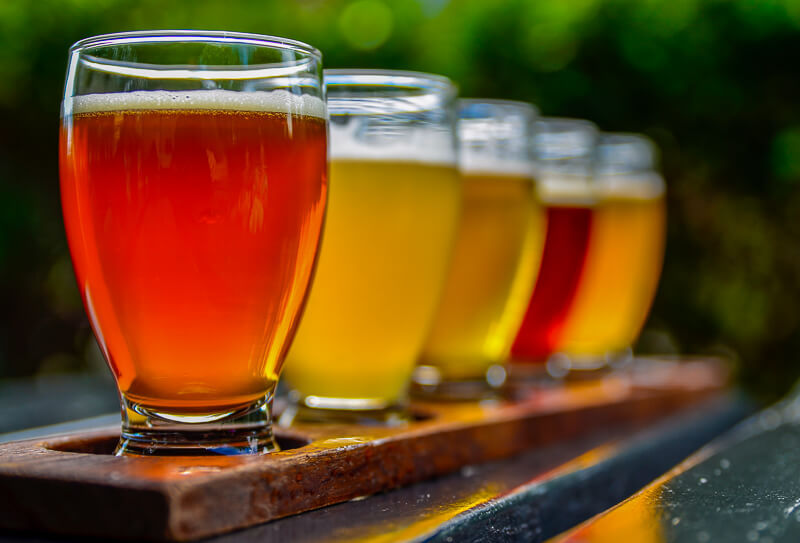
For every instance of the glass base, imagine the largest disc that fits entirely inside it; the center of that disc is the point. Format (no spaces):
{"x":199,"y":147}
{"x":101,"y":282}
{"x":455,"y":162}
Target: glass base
{"x":430,"y":384}
{"x":563,"y":366}
{"x":527,"y":371}
{"x":247,"y":430}
{"x":579,"y":367}
{"x":326,"y":410}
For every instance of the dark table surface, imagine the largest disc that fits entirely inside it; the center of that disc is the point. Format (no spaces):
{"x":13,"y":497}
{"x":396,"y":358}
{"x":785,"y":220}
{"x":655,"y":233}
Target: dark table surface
{"x":531,"y":497}
{"x":744,"y":486}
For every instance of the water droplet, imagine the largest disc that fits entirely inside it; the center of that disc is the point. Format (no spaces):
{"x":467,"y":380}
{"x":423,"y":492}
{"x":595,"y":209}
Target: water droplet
{"x":769,"y":419}
{"x":717,"y":472}
{"x":703,"y":480}
{"x":752,"y":535}
{"x":676,"y":521}
{"x":761,"y":525}
{"x":724,"y":463}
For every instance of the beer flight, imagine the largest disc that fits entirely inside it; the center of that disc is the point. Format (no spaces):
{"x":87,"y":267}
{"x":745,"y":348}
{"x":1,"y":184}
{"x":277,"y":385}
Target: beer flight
{"x":235,"y":214}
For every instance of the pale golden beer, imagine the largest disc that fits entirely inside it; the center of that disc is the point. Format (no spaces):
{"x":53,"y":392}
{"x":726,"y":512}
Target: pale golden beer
{"x":623,"y":262}
{"x":385,"y":251}
{"x":497,"y":252}
{"x":393,"y":209}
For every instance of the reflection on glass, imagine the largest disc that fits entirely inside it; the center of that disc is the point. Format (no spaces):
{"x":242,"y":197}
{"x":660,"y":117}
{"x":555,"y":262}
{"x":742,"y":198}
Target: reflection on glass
{"x":563,"y":153}
{"x":392,"y":217}
{"x":496,"y":257}
{"x":625,"y":252}
{"x":193,"y":207}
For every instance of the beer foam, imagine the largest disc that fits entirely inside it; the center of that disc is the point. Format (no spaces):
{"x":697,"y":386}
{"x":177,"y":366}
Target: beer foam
{"x":421,"y":145}
{"x":640,"y":186}
{"x":584,"y":190}
{"x":276,"y":101}
{"x":477,"y":164}
{"x":565,"y":189}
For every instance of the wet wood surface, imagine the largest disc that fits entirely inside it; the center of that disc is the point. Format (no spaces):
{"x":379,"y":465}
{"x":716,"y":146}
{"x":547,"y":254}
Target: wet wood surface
{"x":73,"y":485}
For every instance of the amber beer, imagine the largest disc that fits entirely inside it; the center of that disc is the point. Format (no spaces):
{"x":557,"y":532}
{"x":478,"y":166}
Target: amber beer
{"x":623,"y":264}
{"x":193,"y":219}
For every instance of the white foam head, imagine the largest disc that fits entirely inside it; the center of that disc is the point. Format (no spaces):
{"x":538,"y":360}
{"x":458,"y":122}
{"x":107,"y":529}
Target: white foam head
{"x":565,"y":189}
{"x":354,"y":140}
{"x":276,"y":101}
{"x":633,"y":186}
{"x":476,"y":163}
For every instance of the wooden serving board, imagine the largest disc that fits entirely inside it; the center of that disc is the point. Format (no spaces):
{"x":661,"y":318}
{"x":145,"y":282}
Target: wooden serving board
{"x":73,"y":485}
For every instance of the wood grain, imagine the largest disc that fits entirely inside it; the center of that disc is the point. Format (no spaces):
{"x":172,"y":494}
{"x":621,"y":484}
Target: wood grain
{"x":73,"y":485}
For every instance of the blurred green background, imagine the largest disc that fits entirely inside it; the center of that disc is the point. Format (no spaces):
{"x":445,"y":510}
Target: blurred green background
{"x":714,"y":82}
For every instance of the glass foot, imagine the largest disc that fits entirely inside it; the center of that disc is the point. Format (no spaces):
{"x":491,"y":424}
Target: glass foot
{"x":365,"y":412}
{"x":247,"y":430}
{"x":429,"y":384}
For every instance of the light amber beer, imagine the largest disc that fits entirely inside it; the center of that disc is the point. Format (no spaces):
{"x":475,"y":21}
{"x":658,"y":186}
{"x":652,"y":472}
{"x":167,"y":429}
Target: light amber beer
{"x":193,"y":219}
{"x":623,"y":264}
{"x":388,"y":240}
{"x":494,"y":267}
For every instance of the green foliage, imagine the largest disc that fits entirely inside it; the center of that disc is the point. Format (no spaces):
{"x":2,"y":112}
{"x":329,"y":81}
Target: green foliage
{"x":710,"y":80}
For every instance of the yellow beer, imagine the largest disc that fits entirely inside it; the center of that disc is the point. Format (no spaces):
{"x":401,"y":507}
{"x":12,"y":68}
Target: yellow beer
{"x":496,"y":258}
{"x":387,"y":243}
{"x":622,"y":266}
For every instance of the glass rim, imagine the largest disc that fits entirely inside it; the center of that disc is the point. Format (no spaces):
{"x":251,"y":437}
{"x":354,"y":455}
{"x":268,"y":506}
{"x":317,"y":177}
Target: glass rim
{"x":500,"y":102}
{"x":187,"y":36}
{"x":606,"y":140}
{"x":367,"y":77}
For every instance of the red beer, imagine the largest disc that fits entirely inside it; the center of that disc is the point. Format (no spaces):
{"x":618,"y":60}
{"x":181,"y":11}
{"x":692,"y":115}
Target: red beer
{"x":565,"y":248}
{"x":193,"y":230}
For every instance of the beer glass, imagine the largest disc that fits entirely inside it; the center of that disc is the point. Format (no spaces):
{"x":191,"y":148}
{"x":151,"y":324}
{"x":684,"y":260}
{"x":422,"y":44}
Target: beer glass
{"x":625,"y":252}
{"x":392,"y":217}
{"x":563,"y":151}
{"x":193,"y":185}
{"x":496,"y":258}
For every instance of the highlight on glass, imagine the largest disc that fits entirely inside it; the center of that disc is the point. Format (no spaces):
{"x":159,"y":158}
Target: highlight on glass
{"x":496,"y":258}
{"x":193,"y":185}
{"x":623,"y":262}
{"x":392,"y":218}
{"x":563,"y":151}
